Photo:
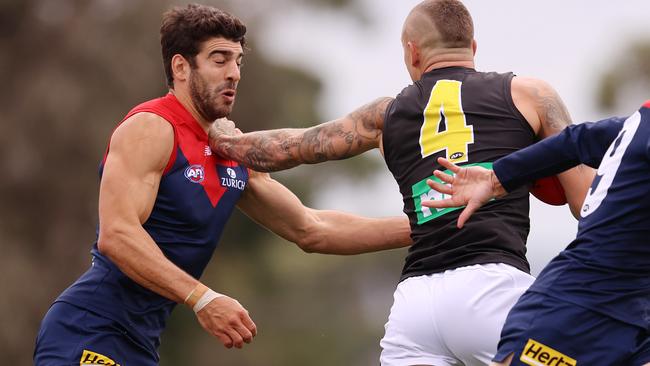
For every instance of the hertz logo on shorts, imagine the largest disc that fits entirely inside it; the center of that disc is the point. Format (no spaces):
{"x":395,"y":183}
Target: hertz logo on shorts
{"x":537,"y":354}
{"x":93,"y":358}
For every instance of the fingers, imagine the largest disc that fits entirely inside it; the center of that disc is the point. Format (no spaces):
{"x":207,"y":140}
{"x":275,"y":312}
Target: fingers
{"x":244,"y":334}
{"x":245,"y":327}
{"x":444,"y":176}
{"x":224,"y":121}
{"x":236,"y":339}
{"x":221,"y":127}
{"x":236,"y":333}
{"x":442,"y":188}
{"x":227,"y":320}
{"x":471,"y":207}
{"x":248,"y":323}
{"x":446,"y":203}
{"x":224,"y":339}
{"x":449,"y":165}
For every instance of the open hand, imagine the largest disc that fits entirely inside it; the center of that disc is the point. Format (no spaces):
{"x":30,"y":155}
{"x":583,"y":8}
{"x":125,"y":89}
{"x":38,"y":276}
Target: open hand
{"x":471,"y":187}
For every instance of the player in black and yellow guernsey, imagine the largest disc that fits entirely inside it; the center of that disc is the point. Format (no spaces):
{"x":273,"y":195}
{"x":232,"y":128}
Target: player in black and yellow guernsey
{"x":457,"y":285}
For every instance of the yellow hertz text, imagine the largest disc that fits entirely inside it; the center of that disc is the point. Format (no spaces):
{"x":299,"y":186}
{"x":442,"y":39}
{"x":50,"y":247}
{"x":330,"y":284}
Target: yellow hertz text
{"x":537,"y":354}
{"x":93,"y":358}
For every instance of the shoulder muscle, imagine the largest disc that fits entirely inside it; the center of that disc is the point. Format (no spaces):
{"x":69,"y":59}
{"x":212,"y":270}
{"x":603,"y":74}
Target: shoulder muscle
{"x":145,"y":138}
{"x":542,"y":106}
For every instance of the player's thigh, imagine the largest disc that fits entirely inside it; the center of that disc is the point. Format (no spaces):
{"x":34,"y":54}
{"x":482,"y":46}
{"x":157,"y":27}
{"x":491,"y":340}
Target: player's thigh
{"x":73,"y":336}
{"x":473,"y":307}
{"x":411,"y":336}
{"x":547,"y":331}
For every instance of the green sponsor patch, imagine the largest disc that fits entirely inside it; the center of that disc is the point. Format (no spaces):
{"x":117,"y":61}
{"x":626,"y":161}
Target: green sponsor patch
{"x":422,"y":192}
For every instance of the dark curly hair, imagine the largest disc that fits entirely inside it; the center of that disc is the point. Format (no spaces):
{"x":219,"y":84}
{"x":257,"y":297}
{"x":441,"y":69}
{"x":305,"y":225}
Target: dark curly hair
{"x":184,"y":28}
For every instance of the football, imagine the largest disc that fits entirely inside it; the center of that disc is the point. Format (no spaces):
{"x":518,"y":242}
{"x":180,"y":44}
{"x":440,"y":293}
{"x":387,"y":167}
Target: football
{"x":549,"y":190}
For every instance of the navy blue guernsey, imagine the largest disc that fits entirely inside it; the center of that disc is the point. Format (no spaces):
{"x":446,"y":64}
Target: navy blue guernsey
{"x":607,"y":267}
{"x":198,"y":192}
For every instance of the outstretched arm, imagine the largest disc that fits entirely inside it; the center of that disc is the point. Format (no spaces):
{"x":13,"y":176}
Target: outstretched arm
{"x":274,"y":150}
{"x":319,"y":231}
{"x":474,"y":186}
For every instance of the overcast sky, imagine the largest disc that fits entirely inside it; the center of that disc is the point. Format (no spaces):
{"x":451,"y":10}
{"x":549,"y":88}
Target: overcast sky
{"x":567,"y":43}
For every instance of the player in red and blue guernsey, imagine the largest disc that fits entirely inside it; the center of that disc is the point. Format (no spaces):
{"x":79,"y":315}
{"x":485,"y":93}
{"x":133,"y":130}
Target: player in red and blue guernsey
{"x":164,"y":200}
{"x":591,"y":303}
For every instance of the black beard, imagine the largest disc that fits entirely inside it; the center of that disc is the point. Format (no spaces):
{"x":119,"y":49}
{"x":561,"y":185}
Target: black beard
{"x":205,"y":100}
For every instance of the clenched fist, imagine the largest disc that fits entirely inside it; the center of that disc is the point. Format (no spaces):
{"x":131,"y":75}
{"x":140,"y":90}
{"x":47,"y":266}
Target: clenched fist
{"x":226,"y":319}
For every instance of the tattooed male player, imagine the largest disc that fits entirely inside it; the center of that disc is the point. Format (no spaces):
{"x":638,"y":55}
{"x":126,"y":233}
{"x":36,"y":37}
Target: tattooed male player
{"x":457,"y":285}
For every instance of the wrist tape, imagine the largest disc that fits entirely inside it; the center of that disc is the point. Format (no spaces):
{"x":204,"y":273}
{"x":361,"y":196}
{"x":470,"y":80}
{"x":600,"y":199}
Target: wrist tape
{"x":200,"y":296}
{"x":204,"y":300}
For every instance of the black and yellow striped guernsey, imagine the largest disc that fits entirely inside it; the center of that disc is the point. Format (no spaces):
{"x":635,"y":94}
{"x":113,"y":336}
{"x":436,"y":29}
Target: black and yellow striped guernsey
{"x":468,"y":117}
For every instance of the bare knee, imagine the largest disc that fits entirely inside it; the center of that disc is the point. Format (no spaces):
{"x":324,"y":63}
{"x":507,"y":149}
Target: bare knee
{"x":508,"y":359}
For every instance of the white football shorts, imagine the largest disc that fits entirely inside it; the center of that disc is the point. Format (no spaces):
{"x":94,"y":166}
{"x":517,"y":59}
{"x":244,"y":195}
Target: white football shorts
{"x":452,"y":318}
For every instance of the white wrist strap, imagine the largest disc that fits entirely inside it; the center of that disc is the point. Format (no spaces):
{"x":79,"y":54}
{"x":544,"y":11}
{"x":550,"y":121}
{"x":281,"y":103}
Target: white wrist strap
{"x":205,"y":300}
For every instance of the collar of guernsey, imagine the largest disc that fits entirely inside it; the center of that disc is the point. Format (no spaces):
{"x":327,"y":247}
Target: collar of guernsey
{"x":197,"y":194}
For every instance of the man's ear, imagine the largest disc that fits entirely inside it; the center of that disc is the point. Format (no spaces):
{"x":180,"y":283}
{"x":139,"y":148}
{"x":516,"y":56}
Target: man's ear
{"x":474,"y":47}
{"x":180,"y":68}
{"x":414,"y":53}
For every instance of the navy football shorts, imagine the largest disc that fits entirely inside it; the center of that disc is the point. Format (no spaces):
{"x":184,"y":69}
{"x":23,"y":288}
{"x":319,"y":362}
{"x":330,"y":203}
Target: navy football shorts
{"x":74,"y":336}
{"x":542,"y":330}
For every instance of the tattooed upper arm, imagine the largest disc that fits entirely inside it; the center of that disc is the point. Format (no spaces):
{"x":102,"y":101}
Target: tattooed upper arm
{"x":365,"y":125}
{"x":553,"y":113}
{"x":351,"y":135}
{"x":370,"y":117}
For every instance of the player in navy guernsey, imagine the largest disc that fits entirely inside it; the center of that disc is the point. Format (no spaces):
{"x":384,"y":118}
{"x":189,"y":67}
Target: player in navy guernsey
{"x":164,"y":200}
{"x":591,"y":303}
{"x":456,"y":286}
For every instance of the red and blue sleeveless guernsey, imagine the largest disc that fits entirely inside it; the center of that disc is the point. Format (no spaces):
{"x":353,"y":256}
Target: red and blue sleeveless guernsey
{"x":198,"y":192}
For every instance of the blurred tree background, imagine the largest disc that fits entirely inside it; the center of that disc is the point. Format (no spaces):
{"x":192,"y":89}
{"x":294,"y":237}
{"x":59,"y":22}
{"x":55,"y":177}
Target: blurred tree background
{"x":627,"y":78}
{"x":71,"y":70}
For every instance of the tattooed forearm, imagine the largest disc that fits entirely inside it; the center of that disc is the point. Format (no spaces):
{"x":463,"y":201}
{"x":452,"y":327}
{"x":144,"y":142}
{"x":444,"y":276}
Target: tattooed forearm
{"x":263,"y":151}
{"x":286,"y":148}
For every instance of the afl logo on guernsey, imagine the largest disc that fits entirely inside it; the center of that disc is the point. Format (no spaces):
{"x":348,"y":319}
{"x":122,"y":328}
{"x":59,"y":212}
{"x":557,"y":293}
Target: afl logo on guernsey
{"x":456,"y":155}
{"x":195,"y":173}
